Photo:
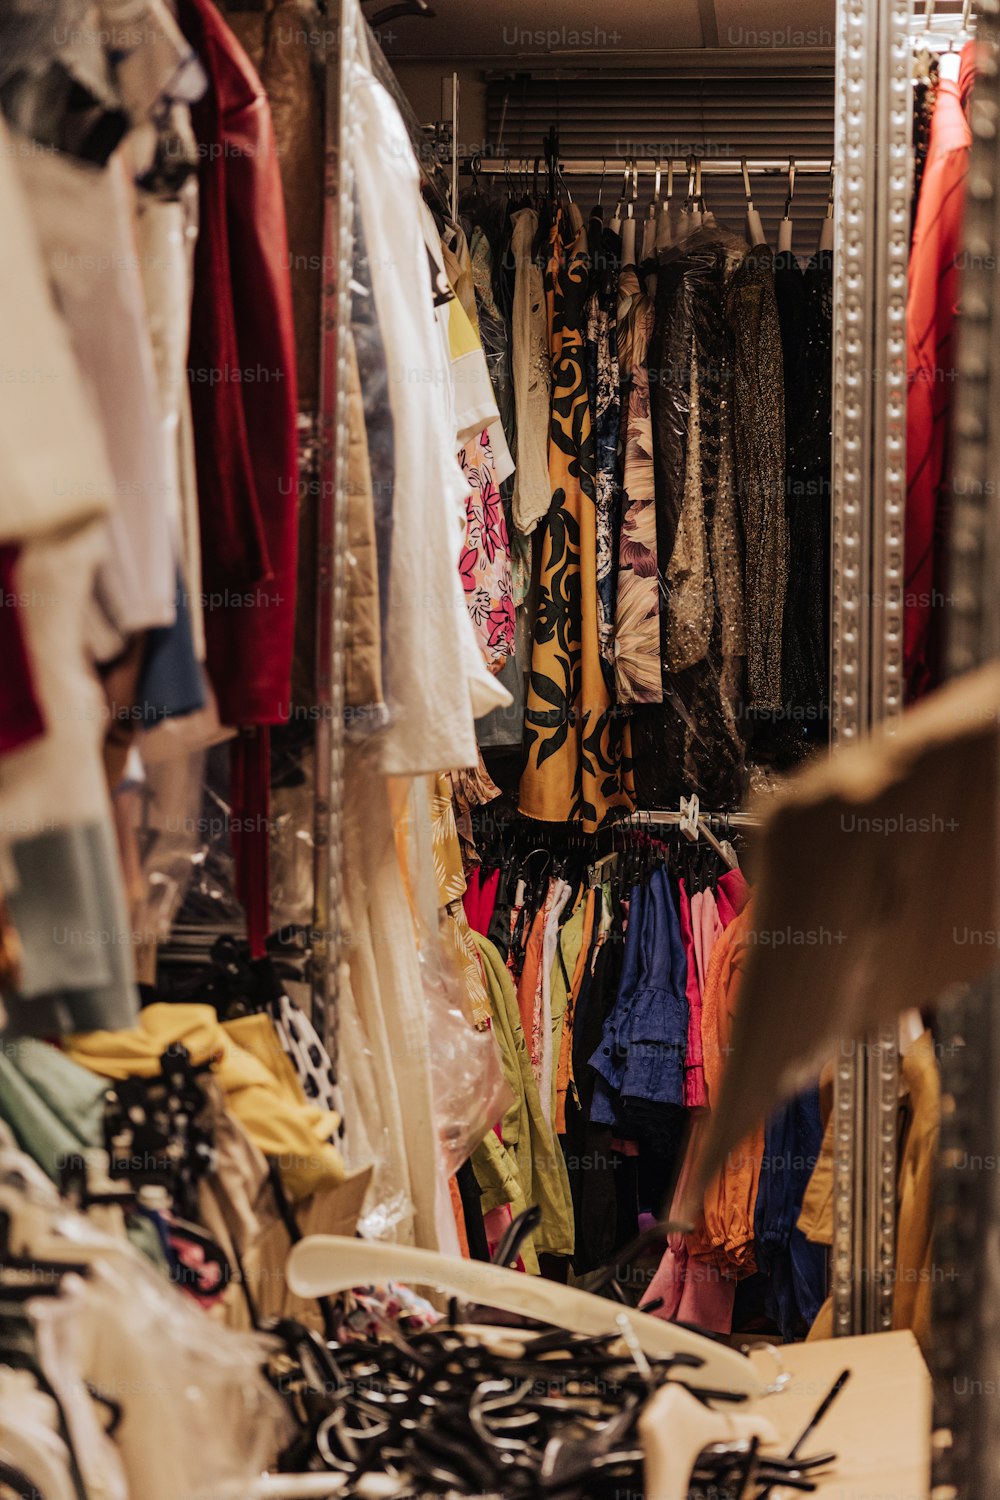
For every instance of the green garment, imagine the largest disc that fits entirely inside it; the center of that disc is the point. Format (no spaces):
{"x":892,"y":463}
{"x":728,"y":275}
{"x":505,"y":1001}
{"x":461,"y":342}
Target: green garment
{"x":495,"y":1171}
{"x":563,"y":965}
{"x":56,"y":1110}
{"x":540,"y":1165}
{"x":54,"y":1107}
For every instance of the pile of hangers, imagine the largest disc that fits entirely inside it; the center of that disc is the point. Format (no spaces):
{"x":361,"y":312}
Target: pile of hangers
{"x":457,"y":1411}
{"x":525,"y":1389}
{"x":606,"y":1402}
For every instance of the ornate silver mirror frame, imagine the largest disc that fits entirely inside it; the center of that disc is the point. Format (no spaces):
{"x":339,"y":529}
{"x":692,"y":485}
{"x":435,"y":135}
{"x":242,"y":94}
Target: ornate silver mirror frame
{"x":338,"y":31}
{"x":966,"y":1259}
{"x":873,"y":126}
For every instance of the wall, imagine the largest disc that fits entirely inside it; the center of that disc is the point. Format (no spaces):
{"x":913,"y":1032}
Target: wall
{"x":421,"y":83}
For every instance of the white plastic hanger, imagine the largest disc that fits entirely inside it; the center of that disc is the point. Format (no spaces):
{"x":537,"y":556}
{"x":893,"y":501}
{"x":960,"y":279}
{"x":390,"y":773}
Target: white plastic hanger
{"x":656,"y":201}
{"x":785,"y":226}
{"x":616,"y":221}
{"x":698,"y":202}
{"x":693,"y":825}
{"x":297,"y":1486}
{"x":665,"y":225}
{"x":755,"y":229}
{"x":629,"y":224}
{"x":689,"y":204}
{"x":323,"y":1264}
{"x":319,"y":1486}
{"x":599,"y":207}
{"x":675,"y":1427}
{"x":652,"y":216}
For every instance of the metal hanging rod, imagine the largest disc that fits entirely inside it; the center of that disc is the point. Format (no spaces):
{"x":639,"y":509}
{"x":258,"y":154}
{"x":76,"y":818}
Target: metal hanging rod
{"x":593,"y":166}
{"x":942,"y":27}
{"x":928,"y":20}
{"x":671,"y":817}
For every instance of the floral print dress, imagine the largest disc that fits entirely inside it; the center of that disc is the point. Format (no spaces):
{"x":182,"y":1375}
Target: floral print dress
{"x":485,"y":562}
{"x":578,"y":765}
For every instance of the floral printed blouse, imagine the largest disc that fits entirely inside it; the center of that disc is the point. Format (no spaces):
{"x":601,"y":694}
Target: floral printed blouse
{"x":485,"y":560}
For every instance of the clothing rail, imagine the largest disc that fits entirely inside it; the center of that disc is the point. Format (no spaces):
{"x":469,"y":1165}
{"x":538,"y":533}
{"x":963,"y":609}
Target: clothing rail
{"x":714,"y":166}
{"x":669,"y":818}
{"x":942,"y":28}
{"x":953,"y":16}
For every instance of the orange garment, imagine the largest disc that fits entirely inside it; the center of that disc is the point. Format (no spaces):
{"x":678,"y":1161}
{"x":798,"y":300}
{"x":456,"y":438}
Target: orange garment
{"x":931,"y":307}
{"x":459,"y":1213}
{"x":564,"y":1067}
{"x":528,"y":982}
{"x":726,"y":1236}
{"x":578,"y":745}
{"x":915,"y":1270}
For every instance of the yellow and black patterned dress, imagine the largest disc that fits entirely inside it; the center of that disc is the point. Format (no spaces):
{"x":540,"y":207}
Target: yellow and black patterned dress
{"x":578,"y":750}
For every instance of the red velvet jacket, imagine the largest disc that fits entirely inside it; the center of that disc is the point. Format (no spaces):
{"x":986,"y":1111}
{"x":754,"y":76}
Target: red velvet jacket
{"x":242,"y":379}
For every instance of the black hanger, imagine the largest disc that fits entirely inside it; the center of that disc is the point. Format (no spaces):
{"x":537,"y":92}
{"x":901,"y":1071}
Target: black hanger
{"x":156,"y":1129}
{"x":191,"y":1277}
{"x":17,"y":1482}
{"x":508,"y":1249}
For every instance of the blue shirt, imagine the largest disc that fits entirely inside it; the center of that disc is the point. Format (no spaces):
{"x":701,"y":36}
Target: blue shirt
{"x":642,"y":1050}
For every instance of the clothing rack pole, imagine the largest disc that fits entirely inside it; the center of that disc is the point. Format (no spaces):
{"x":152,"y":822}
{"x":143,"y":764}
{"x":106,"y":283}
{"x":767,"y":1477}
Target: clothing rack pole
{"x":713,"y":166}
{"x":670,"y":818}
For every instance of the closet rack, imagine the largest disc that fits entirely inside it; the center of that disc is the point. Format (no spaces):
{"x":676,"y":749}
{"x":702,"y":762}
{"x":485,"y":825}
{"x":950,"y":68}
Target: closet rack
{"x":930,"y":20}
{"x":712,"y":166}
{"x":670,"y":818}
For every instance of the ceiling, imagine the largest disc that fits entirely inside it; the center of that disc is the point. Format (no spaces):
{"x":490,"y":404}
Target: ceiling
{"x":559,"y":32}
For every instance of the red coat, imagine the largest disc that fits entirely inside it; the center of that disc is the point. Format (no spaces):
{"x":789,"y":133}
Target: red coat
{"x":932,"y":299}
{"x":242,"y":379}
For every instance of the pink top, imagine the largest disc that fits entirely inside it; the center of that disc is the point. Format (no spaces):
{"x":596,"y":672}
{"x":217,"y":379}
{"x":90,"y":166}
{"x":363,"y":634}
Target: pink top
{"x":732,"y":894}
{"x":694,"y":1071}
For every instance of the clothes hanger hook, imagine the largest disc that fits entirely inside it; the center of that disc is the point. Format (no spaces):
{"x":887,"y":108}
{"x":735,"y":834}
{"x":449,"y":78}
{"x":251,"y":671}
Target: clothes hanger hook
{"x":600,"y":185}
{"x":670,"y":178}
{"x":746,"y":183}
{"x":791,"y":187}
